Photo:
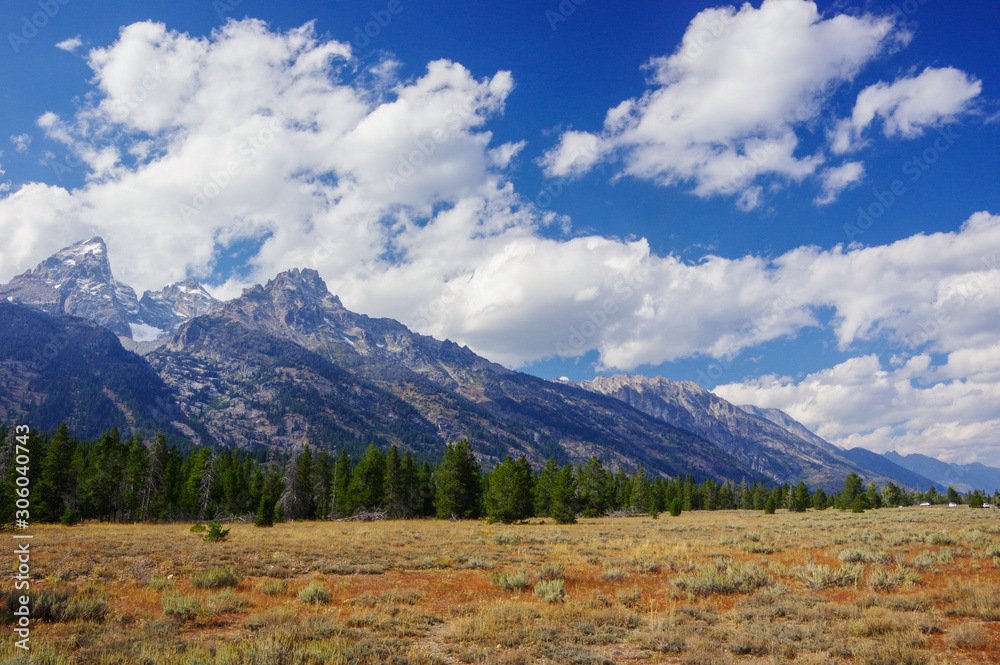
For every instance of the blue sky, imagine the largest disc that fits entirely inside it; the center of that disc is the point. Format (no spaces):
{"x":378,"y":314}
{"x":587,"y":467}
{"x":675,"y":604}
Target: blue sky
{"x":792,"y":204}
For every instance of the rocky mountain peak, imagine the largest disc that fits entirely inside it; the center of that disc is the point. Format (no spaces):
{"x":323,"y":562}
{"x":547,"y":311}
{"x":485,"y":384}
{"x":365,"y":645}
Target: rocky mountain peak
{"x":165,"y":310}
{"x":77,"y":280}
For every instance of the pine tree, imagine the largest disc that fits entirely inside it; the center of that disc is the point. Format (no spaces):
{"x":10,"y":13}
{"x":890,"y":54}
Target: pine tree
{"x":340,"y":495}
{"x":136,"y":477}
{"x":564,"y":502}
{"x":853,"y":486}
{"x":820,"y":499}
{"x":155,"y":496}
{"x":801,"y":500}
{"x":367,"y":488}
{"x":57,"y":482}
{"x":102,"y":479}
{"x":543,"y":487}
{"x":509,"y":492}
{"x":265,"y":512}
{"x":458,"y":483}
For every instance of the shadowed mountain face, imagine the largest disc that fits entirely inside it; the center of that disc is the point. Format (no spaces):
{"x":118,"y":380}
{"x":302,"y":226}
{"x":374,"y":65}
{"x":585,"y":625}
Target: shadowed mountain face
{"x":63,"y":368}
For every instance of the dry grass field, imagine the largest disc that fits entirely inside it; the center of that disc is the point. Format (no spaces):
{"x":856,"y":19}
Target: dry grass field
{"x":895,"y":586}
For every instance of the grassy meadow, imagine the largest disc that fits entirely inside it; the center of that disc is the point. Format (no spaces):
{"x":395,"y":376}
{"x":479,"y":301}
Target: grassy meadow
{"x":893,"y":586}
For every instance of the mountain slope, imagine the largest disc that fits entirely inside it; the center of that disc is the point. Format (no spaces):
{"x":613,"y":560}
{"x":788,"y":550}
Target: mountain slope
{"x":286,"y":363}
{"x":762,"y":445}
{"x":964,"y":477}
{"x":62,"y":368}
{"x":885,"y":466}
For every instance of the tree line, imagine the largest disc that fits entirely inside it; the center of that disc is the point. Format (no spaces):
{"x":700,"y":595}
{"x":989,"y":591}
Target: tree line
{"x":133,"y":480}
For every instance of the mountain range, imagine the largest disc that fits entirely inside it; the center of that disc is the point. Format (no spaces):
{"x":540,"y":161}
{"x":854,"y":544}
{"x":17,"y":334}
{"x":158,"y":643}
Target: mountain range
{"x":286,"y":364}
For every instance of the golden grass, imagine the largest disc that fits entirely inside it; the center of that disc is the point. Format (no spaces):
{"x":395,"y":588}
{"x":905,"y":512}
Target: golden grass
{"x":891,"y":586}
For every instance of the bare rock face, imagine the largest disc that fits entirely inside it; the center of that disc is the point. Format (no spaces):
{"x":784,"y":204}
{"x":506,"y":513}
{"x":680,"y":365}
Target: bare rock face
{"x":167,"y":309}
{"x":78,"y":281}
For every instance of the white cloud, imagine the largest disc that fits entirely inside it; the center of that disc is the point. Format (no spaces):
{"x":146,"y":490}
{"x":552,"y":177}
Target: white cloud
{"x":395,"y":190}
{"x":21,"y":142}
{"x":723,"y":110}
{"x":70,"y":45}
{"x":912,"y":409}
{"x":836,"y":179}
{"x":908,"y":105}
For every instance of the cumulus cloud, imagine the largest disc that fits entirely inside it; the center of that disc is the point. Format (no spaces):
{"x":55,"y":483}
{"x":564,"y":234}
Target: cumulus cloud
{"x":397,"y":193}
{"x":70,"y":45}
{"x":838,"y":178}
{"x":908,"y":105}
{"x":916,"y":408}
{"x":723,"y":110}
{"x":21,"y":142}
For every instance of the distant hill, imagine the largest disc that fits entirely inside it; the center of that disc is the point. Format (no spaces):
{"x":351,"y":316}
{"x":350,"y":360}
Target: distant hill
{"x":964,"y":477}
{"x":887,"y":467}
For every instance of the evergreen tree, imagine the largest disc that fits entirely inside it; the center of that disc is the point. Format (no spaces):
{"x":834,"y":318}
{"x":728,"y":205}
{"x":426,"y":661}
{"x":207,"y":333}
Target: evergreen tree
{"x":398,"y":487}
{"x":874,"y":499}
{"x":594,"y":490}
{"x":426,"y":491}
{"x":367,"y":488}
{"x":802,"y":499}
{"x":675,"y":507}
{"x":340,"y":494}
{"x":457,"y":483}
{"x":136,"y":478}
{"x":102,"y":479}
{"x":820,"y":499}
{"x":564,"y":505}
{"x":893,"y":496}
{"x":155,"y":496}
{"x":508,"y":496}
{"x":853,"y":486}
{"x":265,"y":512}
{"x":642,"y":491}
{"x":952,"y":496}
{"x":543,"y":488}
{"x":57,"y":482}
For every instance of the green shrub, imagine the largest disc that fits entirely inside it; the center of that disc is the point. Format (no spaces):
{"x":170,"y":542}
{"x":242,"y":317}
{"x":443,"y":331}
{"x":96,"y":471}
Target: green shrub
{"x":817,"y":576}
{"x":216,"y":533}
{"x":314,"y":593}
{"x":723,"y":577}
{"x":509,"y":581}
{"x":273,"y":587}
{"x":182,"y":608}
{"x":551,"y":591}
{"x":675,"y":507}
{"x":198,"y":528}
{"x":551,"y":571}
{"x":216,"y":579}
{"x":69,"y":517}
